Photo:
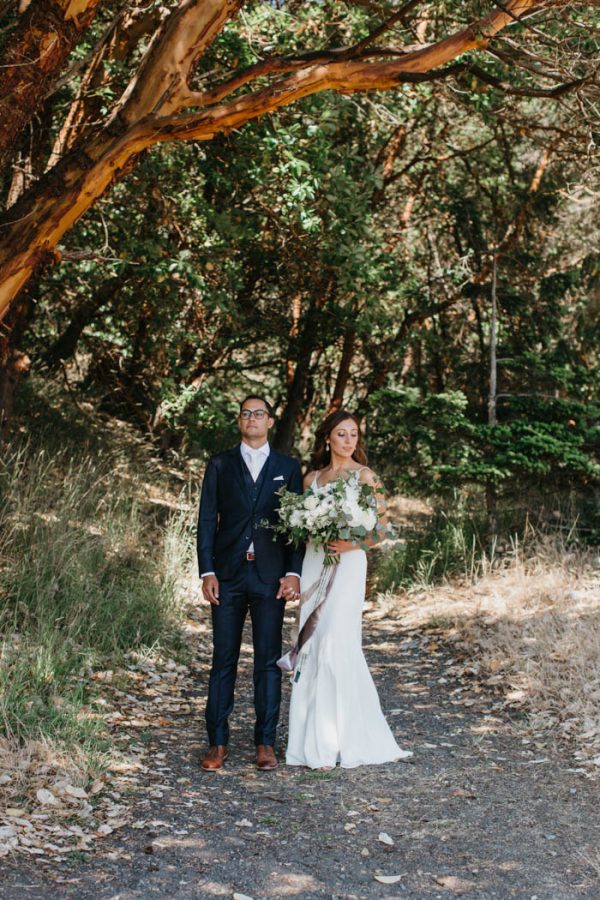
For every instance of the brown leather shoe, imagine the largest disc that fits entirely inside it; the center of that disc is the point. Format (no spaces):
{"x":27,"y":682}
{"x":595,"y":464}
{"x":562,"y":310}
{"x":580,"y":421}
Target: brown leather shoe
{"x":265,"y":757}
{"x":215,"y":757}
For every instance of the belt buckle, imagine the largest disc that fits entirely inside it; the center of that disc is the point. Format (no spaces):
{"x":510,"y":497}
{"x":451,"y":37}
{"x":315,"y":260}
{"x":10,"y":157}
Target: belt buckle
{"x":250,"y":556}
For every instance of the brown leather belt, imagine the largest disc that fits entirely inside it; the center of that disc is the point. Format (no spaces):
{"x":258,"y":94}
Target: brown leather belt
{"x":250,"y":556}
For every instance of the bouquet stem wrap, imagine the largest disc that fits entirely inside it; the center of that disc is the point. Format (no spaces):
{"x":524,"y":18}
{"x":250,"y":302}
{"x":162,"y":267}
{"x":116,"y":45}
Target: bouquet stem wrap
{"x":320,"y":591}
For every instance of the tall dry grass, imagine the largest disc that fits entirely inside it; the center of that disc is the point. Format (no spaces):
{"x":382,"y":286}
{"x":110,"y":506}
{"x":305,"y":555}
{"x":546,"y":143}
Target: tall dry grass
{"x":530,"y":625}
{"x":86,"y":576}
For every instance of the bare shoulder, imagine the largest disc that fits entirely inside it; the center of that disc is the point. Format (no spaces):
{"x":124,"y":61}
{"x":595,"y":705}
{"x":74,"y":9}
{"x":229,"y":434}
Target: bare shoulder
{"x":368,"y":476}
{"x":308,"y":478}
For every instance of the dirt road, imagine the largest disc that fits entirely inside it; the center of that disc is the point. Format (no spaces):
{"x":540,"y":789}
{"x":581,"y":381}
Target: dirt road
{"x":480,"y":811}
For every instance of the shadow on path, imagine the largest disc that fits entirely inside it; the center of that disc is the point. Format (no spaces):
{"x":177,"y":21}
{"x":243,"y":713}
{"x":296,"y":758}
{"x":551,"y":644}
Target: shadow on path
{"x":479,"y":811}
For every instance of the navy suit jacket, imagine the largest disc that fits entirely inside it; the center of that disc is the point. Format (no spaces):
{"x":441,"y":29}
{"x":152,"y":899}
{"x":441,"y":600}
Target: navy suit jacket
{"x":229,"y":519}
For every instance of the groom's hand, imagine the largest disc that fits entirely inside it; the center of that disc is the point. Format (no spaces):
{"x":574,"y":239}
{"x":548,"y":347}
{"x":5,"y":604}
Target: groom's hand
{"x":289,"y":588}
{"x":210,"y":589}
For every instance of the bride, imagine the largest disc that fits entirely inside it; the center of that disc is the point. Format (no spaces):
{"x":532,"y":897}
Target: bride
{"x":335,"y":715}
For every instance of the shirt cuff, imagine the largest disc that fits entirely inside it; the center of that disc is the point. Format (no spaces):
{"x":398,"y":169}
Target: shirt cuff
{"x":204,"y":574}
{"x":295,"y":574}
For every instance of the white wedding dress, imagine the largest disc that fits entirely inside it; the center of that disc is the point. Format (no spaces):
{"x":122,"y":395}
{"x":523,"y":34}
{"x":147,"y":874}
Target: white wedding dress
{"x":335,"y":714}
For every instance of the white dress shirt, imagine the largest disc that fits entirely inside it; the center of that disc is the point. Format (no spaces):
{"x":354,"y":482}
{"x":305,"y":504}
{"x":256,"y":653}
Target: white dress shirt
{"x":255,"y":458}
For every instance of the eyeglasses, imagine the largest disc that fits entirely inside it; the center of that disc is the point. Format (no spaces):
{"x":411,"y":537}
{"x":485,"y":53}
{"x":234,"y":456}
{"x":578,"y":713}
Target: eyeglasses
{"x":257,"y":413}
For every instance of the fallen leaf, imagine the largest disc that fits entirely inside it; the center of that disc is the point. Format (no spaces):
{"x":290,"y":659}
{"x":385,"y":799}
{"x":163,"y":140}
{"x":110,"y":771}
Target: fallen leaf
{"x":244,"y":823}
{"x":458,"y":885}
{"x":46,"y":798}
{"x":73,"y":791}
{"x":386,"y":839}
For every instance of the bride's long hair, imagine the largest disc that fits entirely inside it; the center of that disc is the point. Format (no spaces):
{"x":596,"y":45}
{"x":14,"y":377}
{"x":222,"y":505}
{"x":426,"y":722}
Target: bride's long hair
{"x":321,"y":455}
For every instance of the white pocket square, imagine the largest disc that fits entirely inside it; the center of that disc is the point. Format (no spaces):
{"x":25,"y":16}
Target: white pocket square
{"x":278,"y":478}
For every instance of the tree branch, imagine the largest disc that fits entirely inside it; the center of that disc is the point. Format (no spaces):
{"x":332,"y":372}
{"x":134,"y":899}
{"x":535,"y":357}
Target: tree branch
{"x":398,"y":16}
{"x":555,"y":92}
{"x":345,"y":76}
{"x":81,"y":177}
{"x":160,"y":84}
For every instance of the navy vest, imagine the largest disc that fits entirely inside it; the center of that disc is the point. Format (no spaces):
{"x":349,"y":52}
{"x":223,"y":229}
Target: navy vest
{"x":253,"y":490}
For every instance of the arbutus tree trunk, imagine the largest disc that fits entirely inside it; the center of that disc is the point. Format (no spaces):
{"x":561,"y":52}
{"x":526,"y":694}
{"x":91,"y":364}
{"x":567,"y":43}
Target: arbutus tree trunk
{"x":304,"y":346}
{"x":14,"y":362}
{"x":344,"y":368}
{"x":85,"y":312}
{"x":153,"y":110}
{"x":490,"y":491}
{"x":34,"y":57}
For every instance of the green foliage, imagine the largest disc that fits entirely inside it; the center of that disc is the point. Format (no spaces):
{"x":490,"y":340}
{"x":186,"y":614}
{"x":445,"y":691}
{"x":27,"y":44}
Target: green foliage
{"x":430,"y":445}
{"x":208,"y":417}
{"x":255,"y":260}
{"x":450,"y":546}
{"x":82,"y":582}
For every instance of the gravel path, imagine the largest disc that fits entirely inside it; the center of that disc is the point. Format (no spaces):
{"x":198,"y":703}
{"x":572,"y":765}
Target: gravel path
{"x":481,"y":811}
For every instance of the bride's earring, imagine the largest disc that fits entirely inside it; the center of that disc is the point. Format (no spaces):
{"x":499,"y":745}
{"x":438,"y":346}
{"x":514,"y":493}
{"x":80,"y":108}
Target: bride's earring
{"x":327,"y":445}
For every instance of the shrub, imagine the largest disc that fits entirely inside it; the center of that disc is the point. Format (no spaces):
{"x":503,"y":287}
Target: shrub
{"x":83,"y":578}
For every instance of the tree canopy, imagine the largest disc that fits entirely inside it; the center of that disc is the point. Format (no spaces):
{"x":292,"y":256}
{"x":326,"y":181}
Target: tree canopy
{"x":310,"y":198}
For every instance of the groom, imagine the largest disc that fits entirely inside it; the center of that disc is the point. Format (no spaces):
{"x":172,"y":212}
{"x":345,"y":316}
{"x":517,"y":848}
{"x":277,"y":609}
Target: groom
{"x":243,"y":568}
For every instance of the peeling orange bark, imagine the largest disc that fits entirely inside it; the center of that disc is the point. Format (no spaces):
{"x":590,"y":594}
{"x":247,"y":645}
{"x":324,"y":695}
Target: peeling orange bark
{"x":145,"y":117}
{"x":34,"y":57}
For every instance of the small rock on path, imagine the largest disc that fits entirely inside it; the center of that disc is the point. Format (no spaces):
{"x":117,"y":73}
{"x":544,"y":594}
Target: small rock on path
{"x":481,"y":811}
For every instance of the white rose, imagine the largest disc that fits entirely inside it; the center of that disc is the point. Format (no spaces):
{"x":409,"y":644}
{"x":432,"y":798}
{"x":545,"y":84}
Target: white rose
{"x":348,"y":508}
{"x":354,"y":514}
{"x":311,"y":502}
{"x":369,"y":519}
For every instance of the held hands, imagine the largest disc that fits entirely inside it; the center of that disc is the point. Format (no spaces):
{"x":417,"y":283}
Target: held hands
{"x":336,"y":547}
{"x":289,"y":588}
{"x":210,"y":589}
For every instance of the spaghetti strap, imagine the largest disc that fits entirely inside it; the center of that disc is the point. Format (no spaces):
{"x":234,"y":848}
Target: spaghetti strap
{"x":315,"y":484}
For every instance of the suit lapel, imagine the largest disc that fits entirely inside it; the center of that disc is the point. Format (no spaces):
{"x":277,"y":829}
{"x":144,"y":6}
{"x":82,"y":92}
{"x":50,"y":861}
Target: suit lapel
{"x":268,"y":470}
{"x":238,"y":467}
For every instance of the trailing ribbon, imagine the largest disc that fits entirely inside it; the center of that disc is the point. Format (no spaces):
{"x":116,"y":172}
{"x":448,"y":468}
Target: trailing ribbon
{"x":320,"y":590}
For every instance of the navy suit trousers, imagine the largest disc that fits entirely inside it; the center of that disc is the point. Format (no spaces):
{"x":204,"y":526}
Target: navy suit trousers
{"x":236,"y":596}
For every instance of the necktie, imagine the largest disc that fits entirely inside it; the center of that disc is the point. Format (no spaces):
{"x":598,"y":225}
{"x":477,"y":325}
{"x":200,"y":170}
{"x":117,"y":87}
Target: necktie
{"x":254,"y":465}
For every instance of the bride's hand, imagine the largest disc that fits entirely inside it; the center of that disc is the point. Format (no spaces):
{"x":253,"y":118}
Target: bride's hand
{"x":335,"y":547}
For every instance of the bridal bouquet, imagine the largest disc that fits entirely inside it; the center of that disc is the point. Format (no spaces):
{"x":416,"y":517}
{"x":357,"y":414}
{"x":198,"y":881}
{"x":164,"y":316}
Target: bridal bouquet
{"x":343,"y":509}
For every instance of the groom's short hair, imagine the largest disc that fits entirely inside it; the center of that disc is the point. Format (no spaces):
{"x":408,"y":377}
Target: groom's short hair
{"x":262,"y":399}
